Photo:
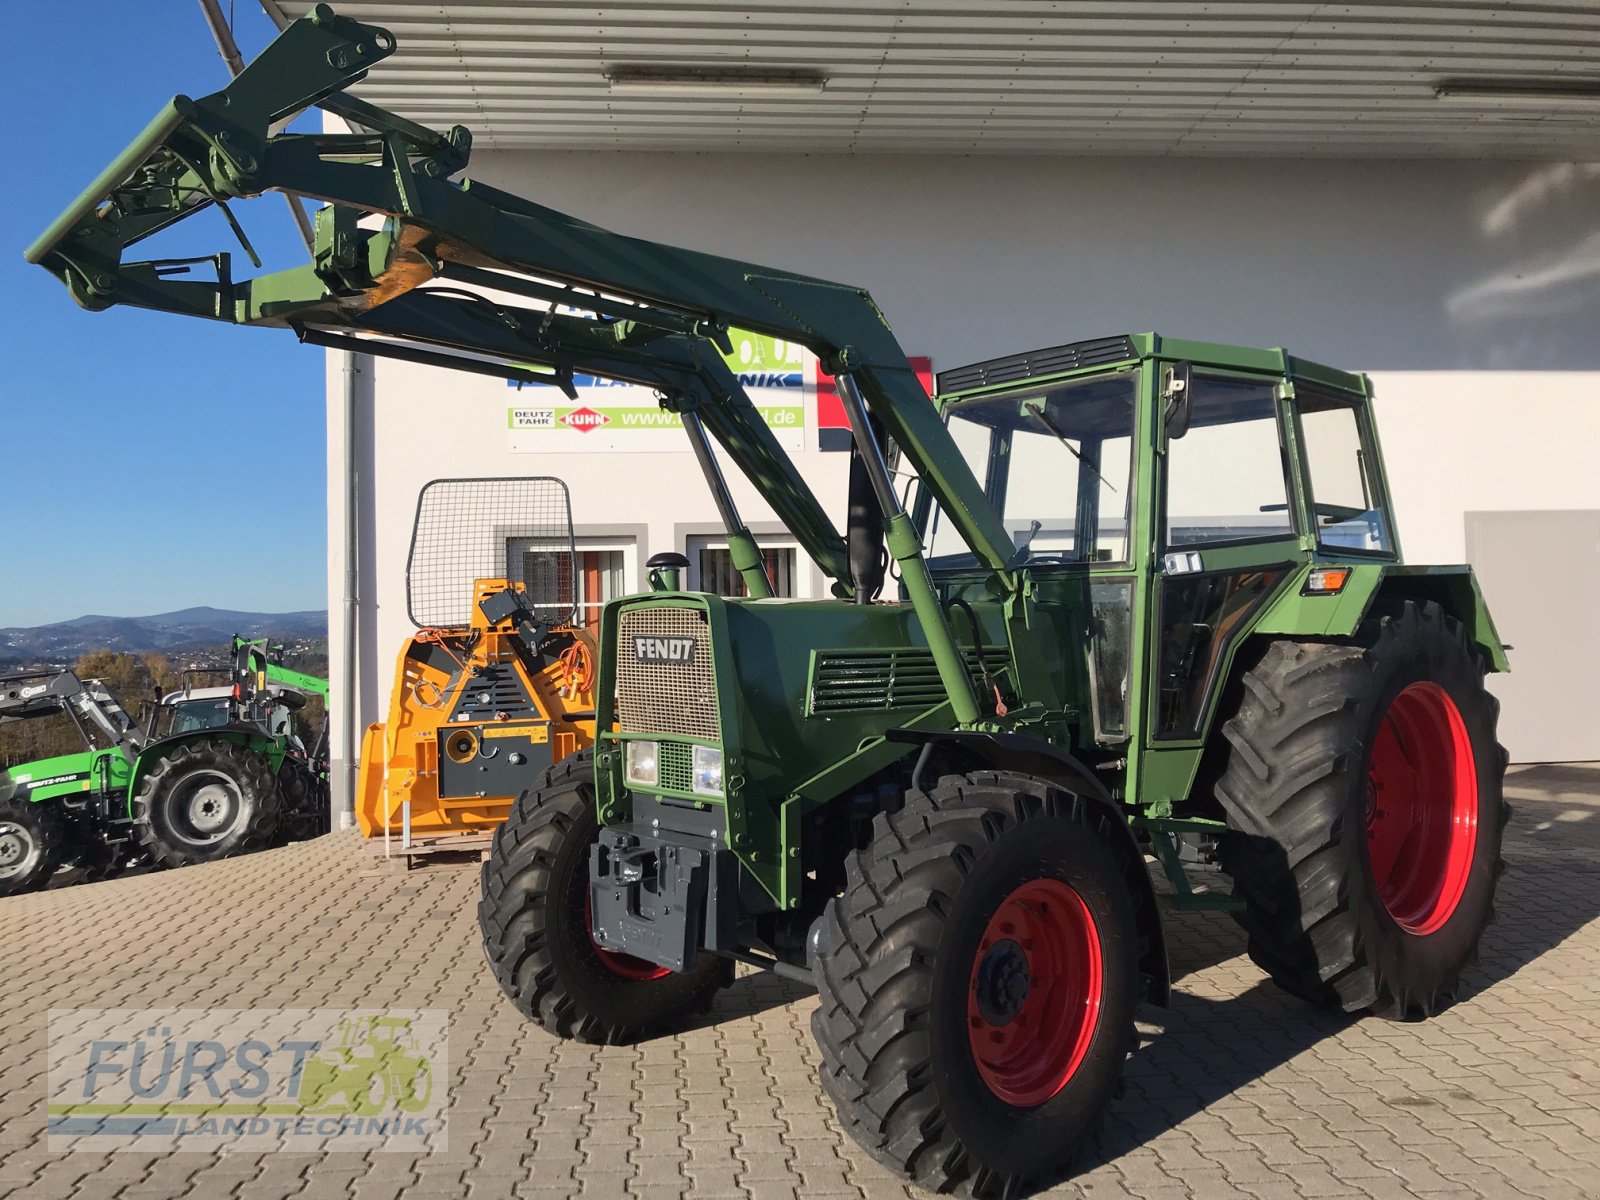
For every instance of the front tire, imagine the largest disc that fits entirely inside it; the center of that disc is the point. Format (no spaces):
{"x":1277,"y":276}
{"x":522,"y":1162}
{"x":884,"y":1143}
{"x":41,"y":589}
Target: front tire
{"x":534,"y":915}
{"x":205,"y":801}
{"x":33,"y":844}
{"x":978,"y":978}
{"x":1363,"y":790}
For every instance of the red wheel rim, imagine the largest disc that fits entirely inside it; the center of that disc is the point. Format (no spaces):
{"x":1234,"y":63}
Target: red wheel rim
{"x":625,"y":965}
{"x":1033,"y":999}
{"x":1422,"y":808}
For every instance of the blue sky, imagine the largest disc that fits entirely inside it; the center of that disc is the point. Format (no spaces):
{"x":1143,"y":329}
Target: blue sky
{"x":150,"y":462}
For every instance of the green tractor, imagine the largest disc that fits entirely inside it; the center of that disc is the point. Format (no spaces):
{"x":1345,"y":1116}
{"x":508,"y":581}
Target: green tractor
{"x":213,"y":772}
{"x":1137,"y":600}
{"x":253,"y":711}
{"x":67,"y":808}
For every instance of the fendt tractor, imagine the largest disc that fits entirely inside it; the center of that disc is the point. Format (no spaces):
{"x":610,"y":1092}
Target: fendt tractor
{"x":209,"y":772}
{"x":1146,"y":602}
{"x":497,"y":683}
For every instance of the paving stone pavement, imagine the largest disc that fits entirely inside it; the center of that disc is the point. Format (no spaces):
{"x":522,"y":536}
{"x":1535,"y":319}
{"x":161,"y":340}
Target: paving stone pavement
{"x":1236,"y":1091}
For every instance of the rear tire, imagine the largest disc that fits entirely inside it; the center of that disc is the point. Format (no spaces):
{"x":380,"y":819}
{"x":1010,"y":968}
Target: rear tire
{"x":535,"y":922}
{"x":978,"y":978}
{"x":204,"y":801}
{"x":1363,"y":788}
{"x":305,"y":803}
{"x":33,"y":844}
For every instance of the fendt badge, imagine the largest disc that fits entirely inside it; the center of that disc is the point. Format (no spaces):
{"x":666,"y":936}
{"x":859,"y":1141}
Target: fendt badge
{"x":664,"y":650}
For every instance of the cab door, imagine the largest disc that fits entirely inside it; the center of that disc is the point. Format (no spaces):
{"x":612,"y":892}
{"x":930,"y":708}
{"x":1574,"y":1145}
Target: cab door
{"x":1227,"y":539}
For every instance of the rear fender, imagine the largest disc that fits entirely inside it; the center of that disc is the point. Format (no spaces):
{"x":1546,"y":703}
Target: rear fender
{"x":1453,"y":588}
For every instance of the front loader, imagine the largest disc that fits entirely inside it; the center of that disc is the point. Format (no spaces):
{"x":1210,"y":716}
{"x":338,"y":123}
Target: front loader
{"x":1148,"y":604}
{"x":206,"y":773}
{"x":66,"y":807}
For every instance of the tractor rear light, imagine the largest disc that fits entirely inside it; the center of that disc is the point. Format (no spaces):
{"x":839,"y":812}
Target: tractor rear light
{"x":1326,"y":581}
{"x":707,"y":770}
{"x":642,"y":763}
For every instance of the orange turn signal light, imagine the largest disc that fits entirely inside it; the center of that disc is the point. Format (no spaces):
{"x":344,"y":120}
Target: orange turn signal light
{"x":1326,"y":581}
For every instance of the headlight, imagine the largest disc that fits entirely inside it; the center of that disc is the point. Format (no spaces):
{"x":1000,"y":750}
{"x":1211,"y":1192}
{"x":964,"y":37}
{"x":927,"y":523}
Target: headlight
{"x":642,"y":763}
{"x":708,"y":770}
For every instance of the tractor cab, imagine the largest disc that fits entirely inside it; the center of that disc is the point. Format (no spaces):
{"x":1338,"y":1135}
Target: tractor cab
{"x":1194,"y":482}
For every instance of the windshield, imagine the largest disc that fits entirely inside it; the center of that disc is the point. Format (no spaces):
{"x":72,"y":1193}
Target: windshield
{"x":1056,"y":464}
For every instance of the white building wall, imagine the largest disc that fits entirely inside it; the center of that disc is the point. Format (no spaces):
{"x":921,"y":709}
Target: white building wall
{"x":1469,"y":291}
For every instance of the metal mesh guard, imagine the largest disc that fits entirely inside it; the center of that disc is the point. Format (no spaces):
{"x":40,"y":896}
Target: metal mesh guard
{"x":492,"y":528}
{"x":666,"y":697}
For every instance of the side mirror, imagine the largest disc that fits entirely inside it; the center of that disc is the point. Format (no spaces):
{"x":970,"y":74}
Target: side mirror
{"x":1176,"y":387}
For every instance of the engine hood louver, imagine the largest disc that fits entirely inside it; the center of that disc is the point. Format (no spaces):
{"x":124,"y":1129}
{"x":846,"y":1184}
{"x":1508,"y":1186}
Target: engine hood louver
{"x":845,"y":681}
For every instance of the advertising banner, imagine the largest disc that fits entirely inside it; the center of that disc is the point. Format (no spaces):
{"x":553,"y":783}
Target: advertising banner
{"x":783,"y":379}
{"x":609,"y":416}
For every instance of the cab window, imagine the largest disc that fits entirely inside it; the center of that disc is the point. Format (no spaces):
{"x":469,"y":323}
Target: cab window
{"x":1227,"y":477}
{"x":190,"y":715}
{"x":1056,"y":464}
{"x":1346,"y":501}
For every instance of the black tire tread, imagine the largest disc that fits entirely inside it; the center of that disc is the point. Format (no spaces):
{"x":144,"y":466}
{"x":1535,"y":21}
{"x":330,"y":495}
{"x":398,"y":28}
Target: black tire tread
{"x":517,"y":876}
{"x":258,"y":789}
{"x":1290,"y":755}
{"x":872,"y":1026}
{"x":52,"y":836}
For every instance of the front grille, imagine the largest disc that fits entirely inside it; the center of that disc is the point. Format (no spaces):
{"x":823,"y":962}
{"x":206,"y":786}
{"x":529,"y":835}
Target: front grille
{"x":876,"y":680}
{"x":1036,"y":363}
{"x":676,"y":762}
{"x":662,"y":696}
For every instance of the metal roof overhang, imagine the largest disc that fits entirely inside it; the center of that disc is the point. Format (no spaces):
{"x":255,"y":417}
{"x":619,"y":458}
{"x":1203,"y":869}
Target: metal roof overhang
{"x":1093,"y":77}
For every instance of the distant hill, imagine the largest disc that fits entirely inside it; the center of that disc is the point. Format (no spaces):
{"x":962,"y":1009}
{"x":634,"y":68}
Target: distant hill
{"x":188,"y":628}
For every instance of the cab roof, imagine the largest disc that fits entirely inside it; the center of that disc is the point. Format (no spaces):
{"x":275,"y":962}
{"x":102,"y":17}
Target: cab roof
{"x":996,"y":373}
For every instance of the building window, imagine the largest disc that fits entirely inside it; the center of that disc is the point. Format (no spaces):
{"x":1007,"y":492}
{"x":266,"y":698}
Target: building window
{"x":712,"y":569}
{"x":545,"y":574}
{"x":602,"y":576}
{"x":580,"y":584}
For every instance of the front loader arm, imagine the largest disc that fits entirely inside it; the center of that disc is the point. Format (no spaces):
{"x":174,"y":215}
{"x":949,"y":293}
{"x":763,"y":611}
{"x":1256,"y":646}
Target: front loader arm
{"x":687,"y":371}
{"x":200,"y":153}
{"x":205,"y":152}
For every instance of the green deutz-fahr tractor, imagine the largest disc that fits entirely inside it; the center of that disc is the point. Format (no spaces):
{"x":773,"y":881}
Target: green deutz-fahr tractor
{"x":1147,"y":603}
{"x":211,"y":773}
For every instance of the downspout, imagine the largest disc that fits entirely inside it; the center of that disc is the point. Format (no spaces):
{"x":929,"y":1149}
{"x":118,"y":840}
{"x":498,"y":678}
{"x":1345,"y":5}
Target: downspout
{"x":343,"y":786}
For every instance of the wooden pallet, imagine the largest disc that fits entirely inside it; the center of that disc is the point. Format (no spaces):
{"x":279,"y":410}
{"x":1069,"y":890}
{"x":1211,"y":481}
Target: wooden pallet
{"x":426,"y":849}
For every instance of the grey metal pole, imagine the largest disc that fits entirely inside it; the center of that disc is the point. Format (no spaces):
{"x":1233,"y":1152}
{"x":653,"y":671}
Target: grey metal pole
{"x":343,"y":783}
